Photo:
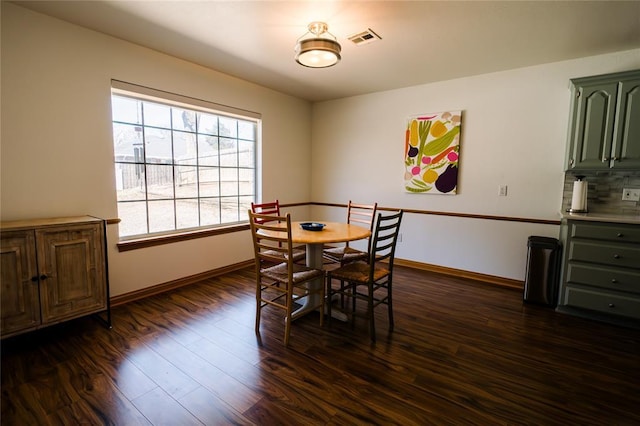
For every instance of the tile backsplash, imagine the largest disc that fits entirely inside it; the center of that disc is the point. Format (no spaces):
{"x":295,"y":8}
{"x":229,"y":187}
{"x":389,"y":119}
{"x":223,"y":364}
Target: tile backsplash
{"x":605,"y":191}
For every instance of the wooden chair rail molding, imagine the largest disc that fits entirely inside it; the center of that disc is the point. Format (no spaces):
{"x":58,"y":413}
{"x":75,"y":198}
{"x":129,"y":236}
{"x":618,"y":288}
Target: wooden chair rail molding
{"x":438,"y":213}
{"x":184,"y":236}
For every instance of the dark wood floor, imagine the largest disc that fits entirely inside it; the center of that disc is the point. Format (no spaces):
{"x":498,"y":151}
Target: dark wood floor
{"x":461,"y":353}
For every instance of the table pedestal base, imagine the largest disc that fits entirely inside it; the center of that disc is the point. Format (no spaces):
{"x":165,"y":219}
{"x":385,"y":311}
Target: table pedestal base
{"x":312,"y":301}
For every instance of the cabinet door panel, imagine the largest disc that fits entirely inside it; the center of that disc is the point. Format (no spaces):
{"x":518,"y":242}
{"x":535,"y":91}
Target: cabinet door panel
{"x":20,"y":304}
{"x":626,"y":140}
{"x":70,"y":258}
{"x":593,"y":132}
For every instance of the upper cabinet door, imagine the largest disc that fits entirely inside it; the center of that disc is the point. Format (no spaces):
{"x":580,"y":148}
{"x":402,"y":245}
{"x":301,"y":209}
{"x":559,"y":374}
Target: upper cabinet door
{"x":626,"y":135}
{"x":592,"y":127}
{"x":604,"y":129}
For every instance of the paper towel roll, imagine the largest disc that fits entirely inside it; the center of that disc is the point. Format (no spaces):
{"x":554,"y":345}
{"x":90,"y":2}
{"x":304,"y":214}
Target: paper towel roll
{"x":579,"y":197}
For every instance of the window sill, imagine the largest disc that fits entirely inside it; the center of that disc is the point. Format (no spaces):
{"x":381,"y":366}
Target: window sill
{"x":174,"y":238}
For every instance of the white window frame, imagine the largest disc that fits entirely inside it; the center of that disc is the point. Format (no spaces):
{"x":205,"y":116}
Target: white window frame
{"x":241,"y":200}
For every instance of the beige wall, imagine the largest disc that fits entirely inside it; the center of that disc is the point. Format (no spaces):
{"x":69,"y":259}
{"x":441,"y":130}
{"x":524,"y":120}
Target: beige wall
{"x":57,"y":153}
{"x":513,"y":133}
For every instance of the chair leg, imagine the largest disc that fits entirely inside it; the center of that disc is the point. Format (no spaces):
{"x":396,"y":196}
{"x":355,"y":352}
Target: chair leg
{"x":287,"y":319}
{"x":258,"y":307}
{"x":390,"y":305}
{"x":372,"y":325}
{"x":287,"y":329}
{"x":329,"y":294}
{"x":322,"y":304}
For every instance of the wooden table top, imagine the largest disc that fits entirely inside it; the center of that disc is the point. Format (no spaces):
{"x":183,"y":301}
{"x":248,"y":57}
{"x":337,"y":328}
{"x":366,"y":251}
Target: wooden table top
{"x":333,"y":232}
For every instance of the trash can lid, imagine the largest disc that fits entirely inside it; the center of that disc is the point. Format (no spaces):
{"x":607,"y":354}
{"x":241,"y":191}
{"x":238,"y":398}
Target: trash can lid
{"x":542,"y":241}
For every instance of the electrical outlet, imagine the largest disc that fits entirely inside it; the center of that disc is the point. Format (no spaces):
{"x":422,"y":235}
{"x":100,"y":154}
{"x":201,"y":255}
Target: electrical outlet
{"x":502,"y":190}
{"x":630,"y":194}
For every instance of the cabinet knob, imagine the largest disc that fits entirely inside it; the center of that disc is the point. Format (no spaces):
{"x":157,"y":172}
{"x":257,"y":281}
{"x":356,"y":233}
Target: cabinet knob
{"x":614,"y":280}
{"x":614,"y":158}
{"x":616,"y":256}
{"x":611,"y":305}
{"x":620,"y":235}
{"x":43,"y":277}
{"x":604,"y":159}
{"x":571,"y":161}
{"x":34,"y":278}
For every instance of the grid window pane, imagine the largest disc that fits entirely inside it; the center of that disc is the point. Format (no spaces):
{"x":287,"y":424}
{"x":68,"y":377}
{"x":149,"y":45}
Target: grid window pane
{"x":209,"y":181}
{"x":246,"y":130}
{"x":157,"y":115}
{"x":127,"y":142}
{"x":246,"y":153}
{"x":187,"y":213}
{"x":126,"y":110}
{"x":157,"y":146}
{"x":184,"y":148}
{"x":246,"y":182}
{"x":180,"y":168}
{"x":161,"y":216}
{"x":207,"y":124}
{"x":183,"y":119}
{"x":133,"y":218}
{"x":209,"y":211}
{"x":229,"y":209}
{"x":228,"y":127}
{"x":228,"y":182}
{"x":245,"y":206}
{"x":186,"y":179}
{"x":228,"y":152}
{"x":159,"y":182}
{"x":130,"y":182}
{"x":208,"y":150}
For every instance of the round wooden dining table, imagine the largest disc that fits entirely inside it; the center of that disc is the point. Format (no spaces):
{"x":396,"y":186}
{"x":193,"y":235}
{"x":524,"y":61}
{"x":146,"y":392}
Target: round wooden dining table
{"x":333,"y":232}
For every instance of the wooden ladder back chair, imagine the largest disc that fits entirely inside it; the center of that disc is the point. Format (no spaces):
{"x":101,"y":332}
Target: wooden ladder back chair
{"x":272,"y":209}
{"x":279,"y":280}
{"x":357,"y":214}
{"x":370,"y":281}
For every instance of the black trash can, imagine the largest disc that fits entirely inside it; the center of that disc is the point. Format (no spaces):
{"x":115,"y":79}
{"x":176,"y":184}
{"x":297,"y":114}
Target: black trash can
{"x":543,"y":271}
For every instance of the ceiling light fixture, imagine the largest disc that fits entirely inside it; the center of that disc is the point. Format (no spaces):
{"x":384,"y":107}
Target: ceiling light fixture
{"x":316,"y":48}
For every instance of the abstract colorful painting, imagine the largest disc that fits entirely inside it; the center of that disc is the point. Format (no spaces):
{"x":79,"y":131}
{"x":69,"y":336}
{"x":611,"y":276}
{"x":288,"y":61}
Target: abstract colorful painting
{"x":432,"y":153}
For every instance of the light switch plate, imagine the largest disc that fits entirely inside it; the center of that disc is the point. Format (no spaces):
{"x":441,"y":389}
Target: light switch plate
{"x":630,"y":194}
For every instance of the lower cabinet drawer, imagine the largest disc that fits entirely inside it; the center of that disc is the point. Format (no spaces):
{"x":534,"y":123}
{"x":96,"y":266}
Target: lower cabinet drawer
{"x":609,"y":254}
{"x":603,"y":301}
{"x":619,"y":279}
{"x":601,"y":231}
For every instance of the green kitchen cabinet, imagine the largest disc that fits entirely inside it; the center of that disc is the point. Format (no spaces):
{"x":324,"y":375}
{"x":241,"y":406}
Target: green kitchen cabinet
{"x":601,"y":270}
{"x":604,"y":128}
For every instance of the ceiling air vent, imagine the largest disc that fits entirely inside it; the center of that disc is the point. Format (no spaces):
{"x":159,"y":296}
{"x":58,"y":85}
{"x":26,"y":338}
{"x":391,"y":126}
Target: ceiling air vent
{"x":364,"y":37}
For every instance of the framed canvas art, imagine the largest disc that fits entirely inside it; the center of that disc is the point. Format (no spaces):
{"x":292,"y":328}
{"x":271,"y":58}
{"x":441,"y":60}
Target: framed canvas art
{"x":432,"y":153}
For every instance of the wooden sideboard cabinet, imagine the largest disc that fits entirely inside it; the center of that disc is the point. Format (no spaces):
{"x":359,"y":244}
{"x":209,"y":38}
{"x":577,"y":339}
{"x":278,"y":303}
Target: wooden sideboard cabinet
{"x":601,"y":269}
{"x":52,"y":270}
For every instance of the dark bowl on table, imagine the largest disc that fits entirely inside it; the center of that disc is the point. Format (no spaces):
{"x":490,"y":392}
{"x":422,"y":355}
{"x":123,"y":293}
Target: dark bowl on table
{"x":312,"y":226}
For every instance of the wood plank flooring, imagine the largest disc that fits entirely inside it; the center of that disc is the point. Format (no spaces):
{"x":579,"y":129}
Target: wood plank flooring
{"x":462,"y":353}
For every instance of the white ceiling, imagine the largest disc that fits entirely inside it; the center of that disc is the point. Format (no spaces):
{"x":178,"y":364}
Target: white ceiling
{"x":422,"y":41}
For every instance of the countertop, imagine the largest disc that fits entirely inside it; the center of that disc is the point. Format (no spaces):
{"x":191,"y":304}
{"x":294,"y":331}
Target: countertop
{"x":633,"y":219}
